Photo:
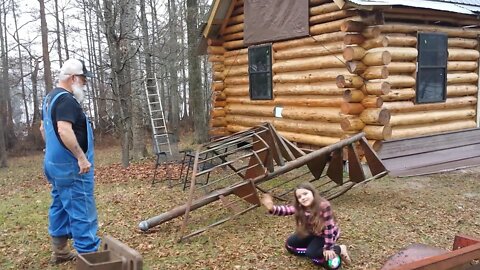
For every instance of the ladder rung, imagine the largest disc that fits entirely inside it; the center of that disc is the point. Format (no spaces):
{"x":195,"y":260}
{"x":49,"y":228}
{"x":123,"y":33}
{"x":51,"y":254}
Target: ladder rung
{"x":162,"y":143}
{"x":159,"y":127}
{"x":155,"y":102}
{"x":156,"y":119}
{"x":156,"y":111}
{"x":160,"y":135}
{"x":154,"y":94}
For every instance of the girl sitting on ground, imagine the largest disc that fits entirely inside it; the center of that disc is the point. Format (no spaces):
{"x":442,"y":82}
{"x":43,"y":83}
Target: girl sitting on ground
{"x":316,"y":230}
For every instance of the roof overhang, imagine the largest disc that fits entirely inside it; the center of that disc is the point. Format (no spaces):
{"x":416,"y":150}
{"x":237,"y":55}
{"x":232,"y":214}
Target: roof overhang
{"x":433,"y":5}
{"x":219,"y":10}
{"x":217,"y":15}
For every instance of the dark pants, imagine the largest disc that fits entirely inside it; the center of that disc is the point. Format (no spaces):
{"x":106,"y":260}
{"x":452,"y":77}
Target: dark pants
{"x":311,"y":247}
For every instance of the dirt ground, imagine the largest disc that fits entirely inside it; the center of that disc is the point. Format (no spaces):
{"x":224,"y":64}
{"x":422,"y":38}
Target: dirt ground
{"x":377,"y":219}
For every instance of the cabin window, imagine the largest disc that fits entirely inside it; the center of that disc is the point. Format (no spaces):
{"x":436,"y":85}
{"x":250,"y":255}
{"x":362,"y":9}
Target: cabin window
{"x":260,"y":72}
{"x":431,"y":68}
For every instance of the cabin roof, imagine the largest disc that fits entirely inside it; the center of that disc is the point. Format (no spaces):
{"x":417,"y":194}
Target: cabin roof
{"x":219,"y":9}
{"x":470,"y":7}
{"x":218,"y":12}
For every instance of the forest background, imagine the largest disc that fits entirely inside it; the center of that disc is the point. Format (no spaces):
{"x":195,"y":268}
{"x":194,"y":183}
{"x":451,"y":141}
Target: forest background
{"x":122,"y":42}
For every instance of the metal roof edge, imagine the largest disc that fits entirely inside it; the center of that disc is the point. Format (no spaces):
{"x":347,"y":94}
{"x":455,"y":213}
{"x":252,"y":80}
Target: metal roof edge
{"x":434,"y":5}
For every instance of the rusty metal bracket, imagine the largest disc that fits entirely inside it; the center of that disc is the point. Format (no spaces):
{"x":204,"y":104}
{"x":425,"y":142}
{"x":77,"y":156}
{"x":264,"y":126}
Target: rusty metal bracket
{"x":423,"y":257}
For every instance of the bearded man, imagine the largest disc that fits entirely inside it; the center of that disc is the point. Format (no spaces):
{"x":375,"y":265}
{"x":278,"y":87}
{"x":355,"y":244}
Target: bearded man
{"x":68,"y":164}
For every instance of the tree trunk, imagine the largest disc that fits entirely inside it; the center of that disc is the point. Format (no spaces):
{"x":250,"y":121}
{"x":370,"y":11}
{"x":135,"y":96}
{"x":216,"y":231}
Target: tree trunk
{"x":8,"y":134}
{"x":173,"y":69}
{"x":3,"y":148}
{"x":46,"y":58}
{"x":138,"y":126}
{"x":194,"y":78}
{"x":185,"y":103}
{"x":67,"y":55}
{"x":59,"y":40}
{"x":20,"y":61}
{"x":34,"y":133}
{"x":120,"y":50}
{"x":139,"y":147}
{"x":92,"y":54}
{"x":3,"y":103}
{"x":102,"y":100}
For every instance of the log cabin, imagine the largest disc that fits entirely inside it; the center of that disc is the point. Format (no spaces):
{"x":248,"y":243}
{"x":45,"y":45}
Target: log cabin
{"x":322,"y":70}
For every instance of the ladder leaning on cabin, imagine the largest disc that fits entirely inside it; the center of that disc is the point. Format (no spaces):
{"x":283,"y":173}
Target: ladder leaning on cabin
{"x":161,"y":140}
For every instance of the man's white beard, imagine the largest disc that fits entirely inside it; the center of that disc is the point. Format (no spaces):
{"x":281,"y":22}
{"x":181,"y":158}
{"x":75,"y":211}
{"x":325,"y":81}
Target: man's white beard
{"x":78,"y":92}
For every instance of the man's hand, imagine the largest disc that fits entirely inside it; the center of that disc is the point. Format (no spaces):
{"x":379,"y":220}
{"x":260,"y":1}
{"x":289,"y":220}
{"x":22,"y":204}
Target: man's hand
{"x":42,"y":130}
{"x":329,"y":254}
{"x":84,"y":165}
{"x":267,"y":201}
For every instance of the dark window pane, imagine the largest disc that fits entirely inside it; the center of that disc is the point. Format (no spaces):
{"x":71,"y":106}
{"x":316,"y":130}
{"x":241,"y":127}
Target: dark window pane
{"x":432,"y":58}
{"x":432,"y":66}
{"x":432,"y":49}
{"x":261,"y":86}
{"x":259,"y":59}
{"x":431,"y":39}
{"x":260,"y":72}
{"x":430,"y":85}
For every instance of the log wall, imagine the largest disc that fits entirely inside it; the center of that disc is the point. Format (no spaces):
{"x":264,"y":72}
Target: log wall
{"x":352,"y":74}
{"x":407,"y":118}
{"x":304,"y":71}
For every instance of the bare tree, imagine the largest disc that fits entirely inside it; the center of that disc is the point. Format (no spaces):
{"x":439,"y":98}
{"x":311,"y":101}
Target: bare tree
{"x":3,"y":87}
{"x":34,"y":132}
{"x":57,"y":32}
{"x":3,"y":147}
{"x":194,"y":75}
{"x":9,"y":133}
{"x":139,"y":147}
{"x":119,"y":23}
{"x":20,"y":61}
{"x":173,"y":69}
{"x":47,"y":72}
{"x":102,"y":95}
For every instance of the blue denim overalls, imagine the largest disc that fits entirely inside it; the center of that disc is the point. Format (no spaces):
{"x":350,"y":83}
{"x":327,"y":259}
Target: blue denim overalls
{"x":73,"y":212}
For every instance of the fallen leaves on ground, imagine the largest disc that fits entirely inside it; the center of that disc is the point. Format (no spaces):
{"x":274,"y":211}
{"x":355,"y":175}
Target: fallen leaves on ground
{"x":377,"y":220}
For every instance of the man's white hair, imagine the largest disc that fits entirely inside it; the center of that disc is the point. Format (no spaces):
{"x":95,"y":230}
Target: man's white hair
{"x":69,"y":68}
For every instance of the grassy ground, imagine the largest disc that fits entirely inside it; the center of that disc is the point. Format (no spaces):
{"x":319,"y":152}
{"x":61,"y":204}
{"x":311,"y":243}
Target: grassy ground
{"x":377,"y":219}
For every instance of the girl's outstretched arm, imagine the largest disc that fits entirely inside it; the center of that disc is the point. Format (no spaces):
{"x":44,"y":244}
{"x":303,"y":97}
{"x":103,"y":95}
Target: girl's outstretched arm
{"x":277,"y":210}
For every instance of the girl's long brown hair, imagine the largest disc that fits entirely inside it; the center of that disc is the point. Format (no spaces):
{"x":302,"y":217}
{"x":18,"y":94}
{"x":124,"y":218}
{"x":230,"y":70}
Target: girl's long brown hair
{"x":315,"y":220}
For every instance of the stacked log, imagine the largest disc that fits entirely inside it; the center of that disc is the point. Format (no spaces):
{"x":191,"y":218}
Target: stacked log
{"x":304,"y":74}
{"x":409,"y":119}
{"x":310,"y":66}
{"x":217,"y":123}
{"x":363,"y":87}
{"x":350,"y":75}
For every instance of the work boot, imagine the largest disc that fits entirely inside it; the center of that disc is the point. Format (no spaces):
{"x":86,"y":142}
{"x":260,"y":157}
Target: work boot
{"x":61,"y":252}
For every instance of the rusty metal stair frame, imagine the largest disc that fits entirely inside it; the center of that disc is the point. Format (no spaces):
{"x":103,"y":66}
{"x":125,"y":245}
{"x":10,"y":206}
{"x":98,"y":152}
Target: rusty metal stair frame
{"x":422,"y":257}
{"x":265,"y":154}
